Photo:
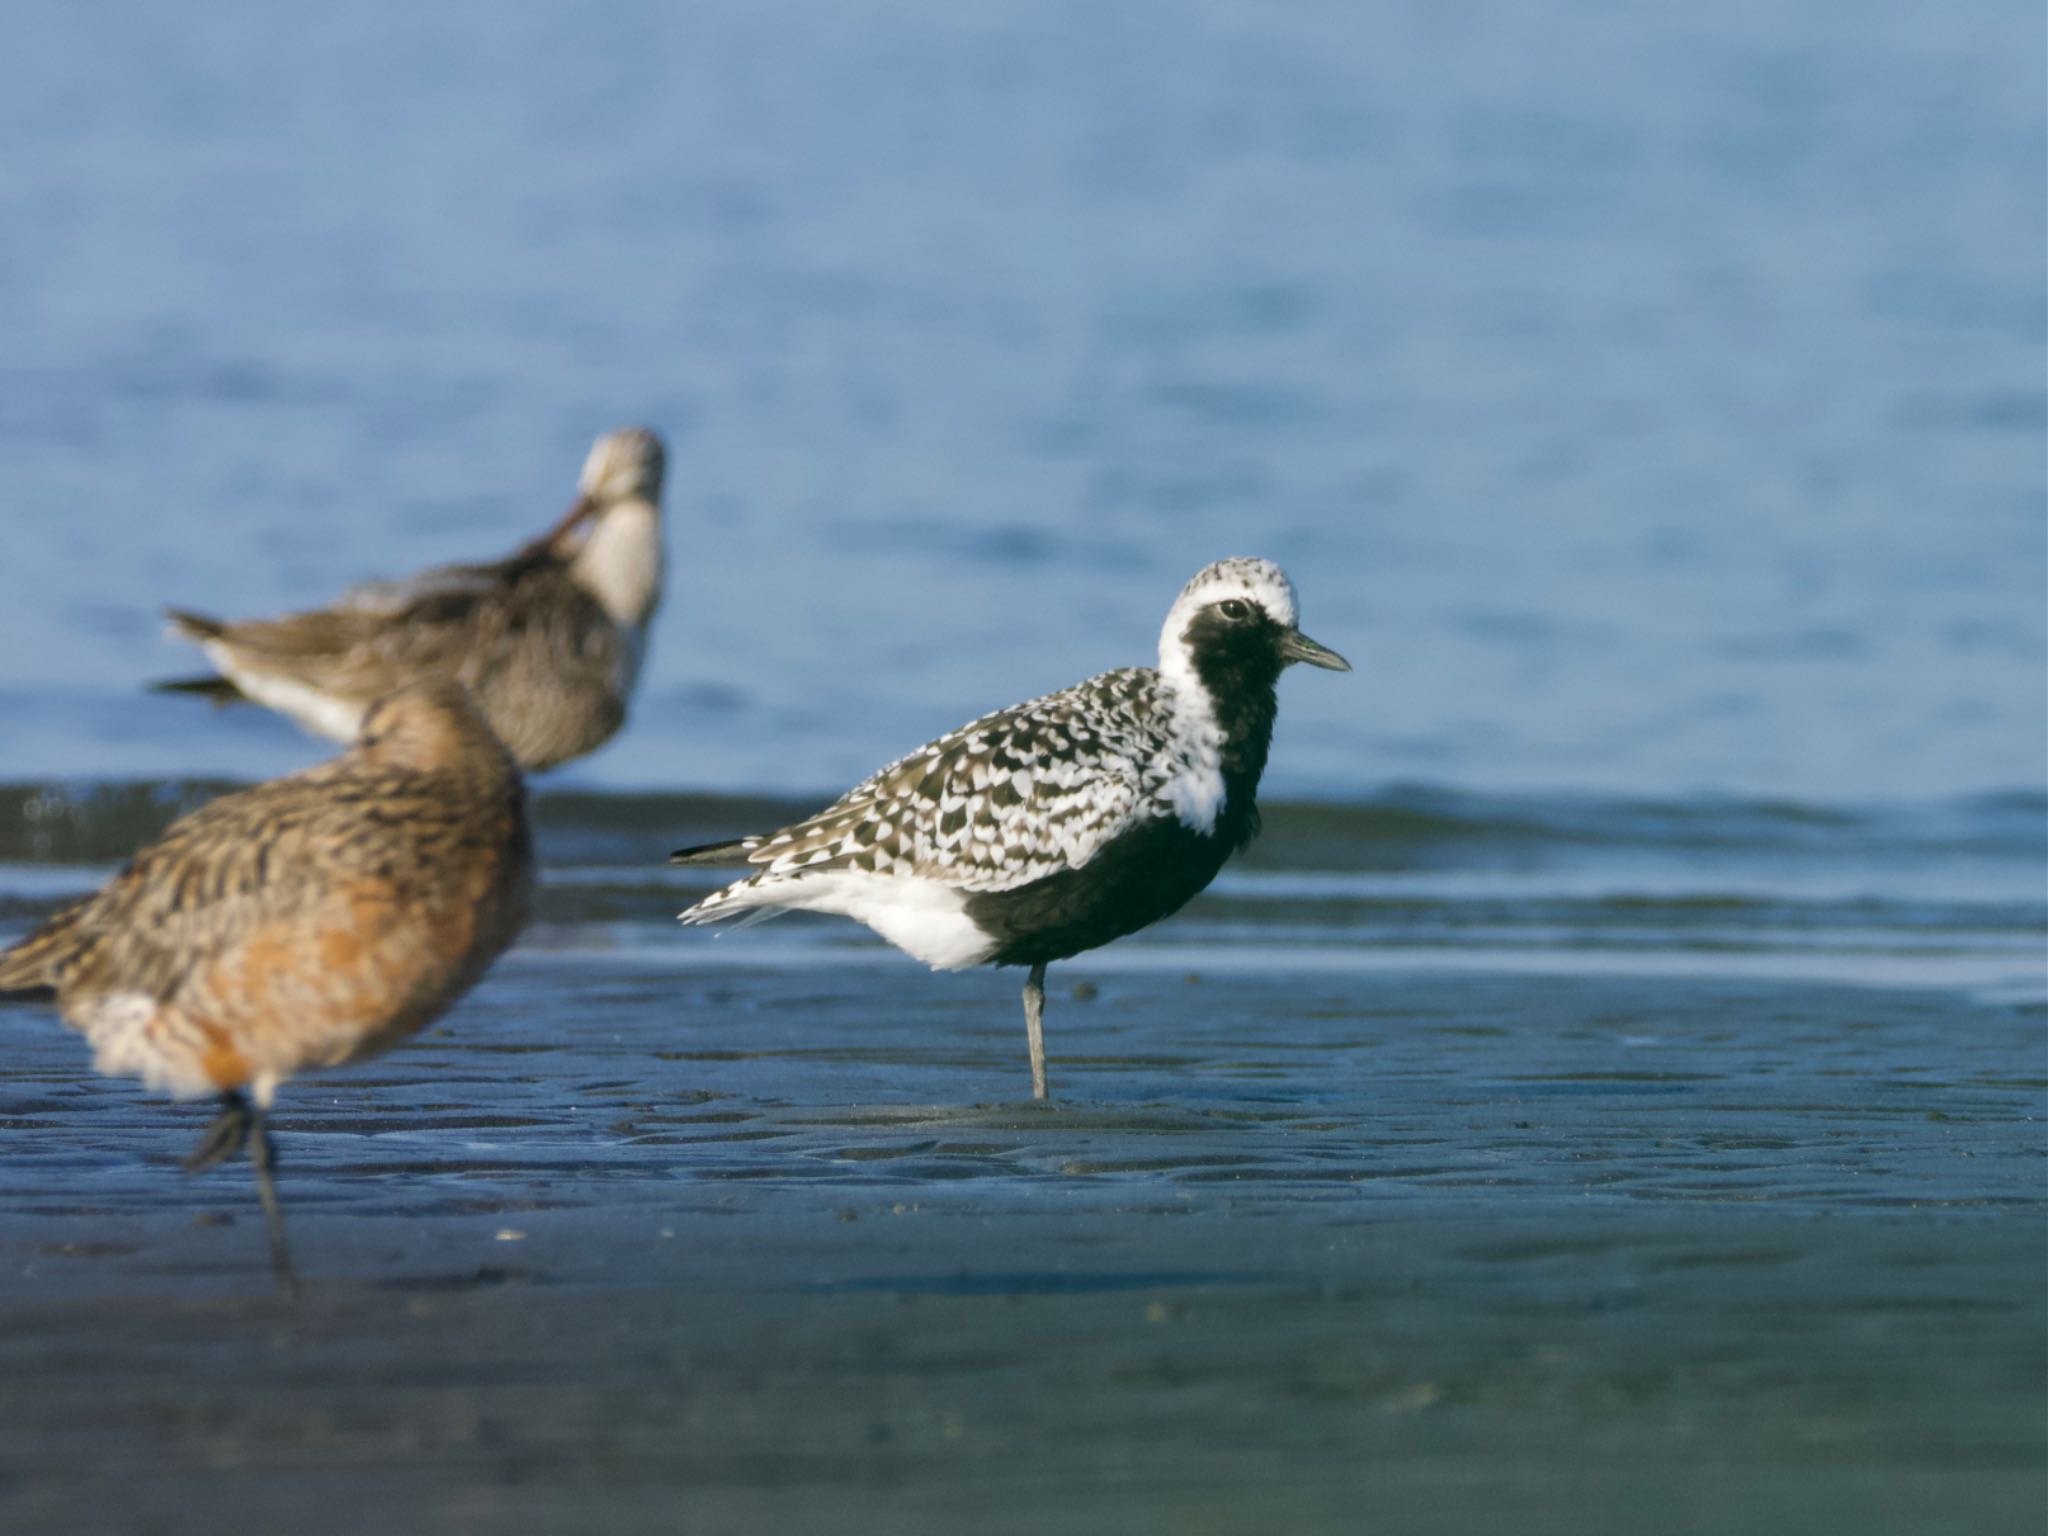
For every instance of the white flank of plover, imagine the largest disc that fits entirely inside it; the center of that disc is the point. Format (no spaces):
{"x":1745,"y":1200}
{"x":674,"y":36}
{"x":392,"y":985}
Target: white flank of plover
{"x":549,"y":640}
{"x":304,"y":923}
{"x":1054,"y":826}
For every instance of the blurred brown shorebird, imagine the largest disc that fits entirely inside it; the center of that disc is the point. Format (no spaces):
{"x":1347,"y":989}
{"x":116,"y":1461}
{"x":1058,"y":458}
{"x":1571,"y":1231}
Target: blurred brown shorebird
{"x":309,"y":922}
{"x":549,"y":640}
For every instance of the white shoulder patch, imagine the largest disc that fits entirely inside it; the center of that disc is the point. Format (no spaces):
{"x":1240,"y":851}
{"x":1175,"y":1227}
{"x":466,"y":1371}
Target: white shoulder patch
{"x":1197,"y":796}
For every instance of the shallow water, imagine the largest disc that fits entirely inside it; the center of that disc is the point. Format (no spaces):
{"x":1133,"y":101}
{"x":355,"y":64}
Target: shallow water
{"x":1450,"y":1151}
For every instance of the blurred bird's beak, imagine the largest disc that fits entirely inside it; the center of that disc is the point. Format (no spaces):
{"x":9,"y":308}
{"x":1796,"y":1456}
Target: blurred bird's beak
{"x":577,"y":514}
{"x":550,"y":543}
{"x":1295,"y":646}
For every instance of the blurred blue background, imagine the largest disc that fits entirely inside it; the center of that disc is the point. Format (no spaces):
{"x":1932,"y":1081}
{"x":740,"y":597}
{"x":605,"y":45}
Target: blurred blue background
{"x":1648,"y":399}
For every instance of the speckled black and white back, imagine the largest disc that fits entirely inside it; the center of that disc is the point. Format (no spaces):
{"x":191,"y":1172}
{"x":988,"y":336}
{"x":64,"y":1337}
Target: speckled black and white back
{"x":1012,"y":799}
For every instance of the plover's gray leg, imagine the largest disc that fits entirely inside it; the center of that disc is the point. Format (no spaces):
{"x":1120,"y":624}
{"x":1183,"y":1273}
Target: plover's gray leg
{"x":1034,"y":1027}
{"x":237,"y":1126}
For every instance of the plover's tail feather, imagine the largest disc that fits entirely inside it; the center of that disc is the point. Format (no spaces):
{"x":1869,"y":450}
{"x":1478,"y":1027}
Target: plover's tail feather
{"x":729,"y":914}
{"x":732,"y":851}
{"x":218,"y":689}
{"x":720,"y":906}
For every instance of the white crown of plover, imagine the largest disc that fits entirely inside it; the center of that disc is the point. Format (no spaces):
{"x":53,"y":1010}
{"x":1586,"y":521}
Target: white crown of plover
{"x":549,"y":640}
{"x":1057,"y":825}
{"x":304,"y":923}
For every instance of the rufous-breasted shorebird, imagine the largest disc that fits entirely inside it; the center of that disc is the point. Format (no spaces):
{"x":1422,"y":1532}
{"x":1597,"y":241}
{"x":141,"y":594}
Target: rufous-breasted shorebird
{"x":308,"y":922}
{"x":1049,"y":828}
{"x":549,"y":640}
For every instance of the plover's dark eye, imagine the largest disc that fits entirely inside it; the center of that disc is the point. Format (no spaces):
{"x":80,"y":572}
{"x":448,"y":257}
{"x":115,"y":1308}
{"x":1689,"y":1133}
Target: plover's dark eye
{"x":1235,"y":608}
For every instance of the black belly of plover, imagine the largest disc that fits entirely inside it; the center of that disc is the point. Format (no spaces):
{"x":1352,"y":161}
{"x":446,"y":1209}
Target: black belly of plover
{"x":1133,"y":880}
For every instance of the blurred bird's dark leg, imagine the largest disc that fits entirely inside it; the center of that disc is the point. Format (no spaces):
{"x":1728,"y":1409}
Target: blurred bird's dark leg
{"x":263,"y":1159}
{"x":235,"y":1127}
{"x":225,"y":1137}
{"x":1034,"y":1027}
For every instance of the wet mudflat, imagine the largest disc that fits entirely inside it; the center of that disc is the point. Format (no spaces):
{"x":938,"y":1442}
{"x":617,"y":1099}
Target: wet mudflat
{"x":654,"y":1235}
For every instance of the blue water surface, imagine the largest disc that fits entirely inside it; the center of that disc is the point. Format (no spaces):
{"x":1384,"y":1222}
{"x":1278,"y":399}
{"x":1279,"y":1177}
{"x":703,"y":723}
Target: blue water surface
{"x":1648,"y":399}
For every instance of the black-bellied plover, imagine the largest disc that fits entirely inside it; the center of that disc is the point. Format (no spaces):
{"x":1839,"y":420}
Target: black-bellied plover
{"x":549,"y":640}
{"x":304,"y":923}
{"x":1049,"y":828}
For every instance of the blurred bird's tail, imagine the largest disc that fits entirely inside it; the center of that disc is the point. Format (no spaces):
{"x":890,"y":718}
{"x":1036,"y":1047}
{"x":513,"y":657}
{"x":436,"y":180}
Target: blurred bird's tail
{"x":217,"y":690}
{"x":197,"y":627}
{"x":31,"y":969}
{"x":194,"y":626}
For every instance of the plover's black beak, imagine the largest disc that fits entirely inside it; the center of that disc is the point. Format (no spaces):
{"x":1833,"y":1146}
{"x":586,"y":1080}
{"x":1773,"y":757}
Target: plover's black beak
{"x":1295,"y":646}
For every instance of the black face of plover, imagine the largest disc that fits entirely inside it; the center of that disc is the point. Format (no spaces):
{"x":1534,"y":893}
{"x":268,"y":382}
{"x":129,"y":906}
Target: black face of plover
{"x":548,"y":640}
{"x":305,"y":923}
{"x":1059,"y":824}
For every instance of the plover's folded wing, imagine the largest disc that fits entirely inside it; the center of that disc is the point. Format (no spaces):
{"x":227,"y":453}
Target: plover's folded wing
{"x":1005,"y":800}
